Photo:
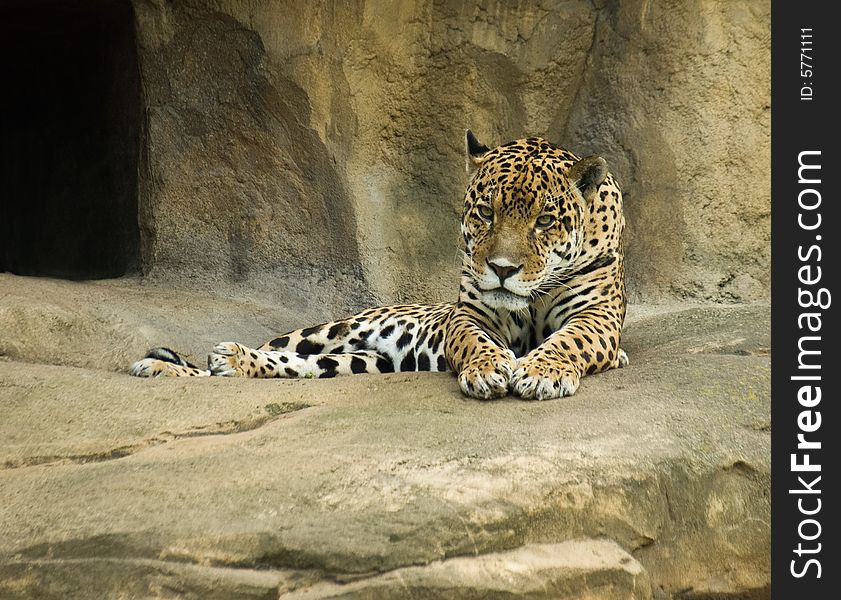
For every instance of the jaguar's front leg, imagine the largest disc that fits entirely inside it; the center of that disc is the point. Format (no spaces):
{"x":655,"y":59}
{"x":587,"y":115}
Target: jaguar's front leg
{"x":588,"y":343}
{"x":483,"y":365}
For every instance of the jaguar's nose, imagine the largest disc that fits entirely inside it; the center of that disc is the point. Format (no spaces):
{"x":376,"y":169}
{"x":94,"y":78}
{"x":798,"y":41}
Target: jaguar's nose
{"x":503,"y":268}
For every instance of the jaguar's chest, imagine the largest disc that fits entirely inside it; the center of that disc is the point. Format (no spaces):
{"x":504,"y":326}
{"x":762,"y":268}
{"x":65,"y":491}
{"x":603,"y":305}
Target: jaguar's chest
{"x":523,"y":332}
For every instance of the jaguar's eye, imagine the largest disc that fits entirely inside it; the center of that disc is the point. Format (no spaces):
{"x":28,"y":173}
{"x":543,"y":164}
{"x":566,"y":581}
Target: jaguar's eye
{"x":485,"y":211}
{"x":544,"y":221}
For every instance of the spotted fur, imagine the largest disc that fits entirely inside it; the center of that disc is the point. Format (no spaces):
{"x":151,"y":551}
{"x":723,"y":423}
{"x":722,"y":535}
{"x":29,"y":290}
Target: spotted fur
{"x":541,"y":301}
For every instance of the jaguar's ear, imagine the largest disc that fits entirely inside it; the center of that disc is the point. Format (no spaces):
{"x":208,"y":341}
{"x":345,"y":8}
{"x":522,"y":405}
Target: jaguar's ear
{"x":587,"y":175}
{"x":476,"y":151}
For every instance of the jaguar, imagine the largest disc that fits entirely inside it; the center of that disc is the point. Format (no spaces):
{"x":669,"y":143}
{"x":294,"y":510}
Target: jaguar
{"x":541,"y":298}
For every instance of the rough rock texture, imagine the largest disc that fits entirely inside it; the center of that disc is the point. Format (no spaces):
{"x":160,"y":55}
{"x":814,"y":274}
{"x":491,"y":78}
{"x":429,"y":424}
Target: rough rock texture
{"x":110,"y":324}
{"x":306,"y":141}
{"x":651,"y":480}
{"x":677,"y":97}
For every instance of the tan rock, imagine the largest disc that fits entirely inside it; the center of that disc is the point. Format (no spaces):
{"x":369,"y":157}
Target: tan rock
{"x":249,"y":486}
{"x":291,"y":144}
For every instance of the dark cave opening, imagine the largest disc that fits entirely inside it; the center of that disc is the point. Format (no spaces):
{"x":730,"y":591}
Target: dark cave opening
{"x":70,"y":130}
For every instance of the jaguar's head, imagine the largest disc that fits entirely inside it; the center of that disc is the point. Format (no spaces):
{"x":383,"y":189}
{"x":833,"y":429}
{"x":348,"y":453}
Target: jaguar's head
{"x":523,"y":217}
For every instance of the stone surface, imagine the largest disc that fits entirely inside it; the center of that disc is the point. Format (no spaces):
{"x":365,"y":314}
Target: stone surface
{"x":357,"y":486}
{"x":574,"y":570}
{"x":677,"y":98}
{"x":292,"y":143}
{"x":109,"y":324}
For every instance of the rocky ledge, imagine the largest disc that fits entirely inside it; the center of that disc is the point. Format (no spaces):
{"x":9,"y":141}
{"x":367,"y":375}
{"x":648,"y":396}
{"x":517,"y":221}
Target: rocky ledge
{"x":651,"y":482}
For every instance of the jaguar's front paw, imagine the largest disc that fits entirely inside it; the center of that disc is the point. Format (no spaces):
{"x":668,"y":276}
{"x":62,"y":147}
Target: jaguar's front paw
{"x":487,"y":376}
{"x":538,"y":379}
{"x":230,"y":359}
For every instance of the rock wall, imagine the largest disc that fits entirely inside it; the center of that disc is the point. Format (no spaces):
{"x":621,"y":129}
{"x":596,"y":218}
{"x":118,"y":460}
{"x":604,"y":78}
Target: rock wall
{"x":293,"y":143}
{"x":677,"y":97}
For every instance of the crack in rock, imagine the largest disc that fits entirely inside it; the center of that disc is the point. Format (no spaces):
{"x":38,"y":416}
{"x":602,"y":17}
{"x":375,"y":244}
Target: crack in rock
{"x":274,"y":410}
{"x":543,"y":570}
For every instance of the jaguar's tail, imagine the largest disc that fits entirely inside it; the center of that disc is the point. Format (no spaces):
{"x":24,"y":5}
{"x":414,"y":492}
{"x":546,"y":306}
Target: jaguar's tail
{"x":170,"y":356}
